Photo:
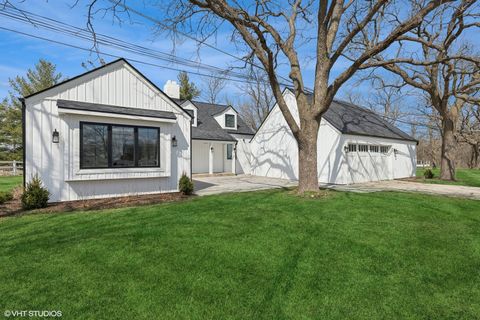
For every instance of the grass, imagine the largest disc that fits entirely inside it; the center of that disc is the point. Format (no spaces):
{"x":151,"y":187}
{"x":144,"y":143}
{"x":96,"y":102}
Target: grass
{"x":8,"y":183}
{"x":258,"y":255}
{"x":465,"y":177}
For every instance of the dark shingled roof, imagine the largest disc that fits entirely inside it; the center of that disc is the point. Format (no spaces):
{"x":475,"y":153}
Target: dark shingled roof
{"x":352,"y":119}
{"x":95,"y":107}
{"x":208,"y":128}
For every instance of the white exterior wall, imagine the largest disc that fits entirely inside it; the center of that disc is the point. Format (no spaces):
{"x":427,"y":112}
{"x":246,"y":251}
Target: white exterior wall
{"x":274,"y":153}
{"x":243,"y":159}
{"x":243,"y":154}
{"x":190,"y":106}
{"x":367,"y":166}
{"x":200,"y":156}
{"x":58,"y":165}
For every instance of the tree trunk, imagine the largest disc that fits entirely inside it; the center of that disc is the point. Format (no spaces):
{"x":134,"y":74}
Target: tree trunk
{"x":307,"y":156}
{"x":447,"y":164}
{"x":475,"y":154}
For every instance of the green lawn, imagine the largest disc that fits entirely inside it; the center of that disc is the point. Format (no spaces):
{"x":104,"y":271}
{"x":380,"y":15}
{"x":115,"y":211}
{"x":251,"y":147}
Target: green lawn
{"x":7,"y":183}
{"x":258,"y":255}
{"x":465,"y":177}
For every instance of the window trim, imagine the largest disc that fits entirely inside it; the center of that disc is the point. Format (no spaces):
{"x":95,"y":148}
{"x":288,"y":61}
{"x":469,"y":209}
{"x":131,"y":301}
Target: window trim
{"x":234,"y":121}
{"x":110,"y":146}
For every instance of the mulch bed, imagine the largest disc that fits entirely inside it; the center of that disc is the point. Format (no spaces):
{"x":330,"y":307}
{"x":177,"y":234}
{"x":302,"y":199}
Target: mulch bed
{"x":14,"y":207}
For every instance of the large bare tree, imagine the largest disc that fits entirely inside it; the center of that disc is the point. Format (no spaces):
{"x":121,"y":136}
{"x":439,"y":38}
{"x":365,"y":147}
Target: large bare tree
{"x":435,"y":59}
{"x":271,"y":32}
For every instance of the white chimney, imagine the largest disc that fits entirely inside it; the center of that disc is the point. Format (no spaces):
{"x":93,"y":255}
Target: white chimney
{"x":172,"y":89}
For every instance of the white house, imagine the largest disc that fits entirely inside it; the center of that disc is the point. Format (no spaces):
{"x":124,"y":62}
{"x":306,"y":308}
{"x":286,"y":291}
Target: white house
{"x":108,"y":132}
{"x":220,"y":137}
{"x":112,"y":132}
{"x":354,"y":145}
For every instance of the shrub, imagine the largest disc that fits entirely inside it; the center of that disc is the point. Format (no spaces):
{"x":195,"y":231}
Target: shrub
{"x":5,"y":196}
{"x":35,"y":195}
{"x":428,"y":174}
{"x":185,"y":184}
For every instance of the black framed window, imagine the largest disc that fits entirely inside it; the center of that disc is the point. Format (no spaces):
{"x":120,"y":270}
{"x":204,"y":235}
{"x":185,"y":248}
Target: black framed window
{"x":118,"y":146}
{"x":229,"y":151}
{"x":123,"y":146}
{"x":148,"y":151}
{"x":229,"y":121}
{"x":94,"y":146}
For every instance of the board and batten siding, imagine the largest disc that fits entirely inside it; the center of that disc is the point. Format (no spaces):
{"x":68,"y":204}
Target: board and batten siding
{"x":58,"y":164}
{"x":243,"y":153}
{"x":274,"y":153}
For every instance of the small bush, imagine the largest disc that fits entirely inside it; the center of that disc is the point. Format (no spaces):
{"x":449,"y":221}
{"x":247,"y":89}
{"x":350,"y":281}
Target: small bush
{"x":185,"y":184}
{"x":5,"y":196}
{"x":428,"y":174}
{"x":35,"y":195}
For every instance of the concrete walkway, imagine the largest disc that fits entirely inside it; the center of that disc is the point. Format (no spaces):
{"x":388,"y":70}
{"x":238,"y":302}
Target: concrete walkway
{"x":205,"y":185}
{"x":409,"y":186}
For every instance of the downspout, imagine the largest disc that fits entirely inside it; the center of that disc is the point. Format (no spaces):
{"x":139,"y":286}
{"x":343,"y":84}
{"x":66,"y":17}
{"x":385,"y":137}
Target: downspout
{"x":236,"y":157}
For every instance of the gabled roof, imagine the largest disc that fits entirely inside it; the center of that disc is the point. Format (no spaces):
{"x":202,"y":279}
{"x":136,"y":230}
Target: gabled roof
{"x":120,"y":60}
{"x":208,"y":128}
{"x":351,"y":119}
{"x":77,"y":77}
{"x":355,"y":120}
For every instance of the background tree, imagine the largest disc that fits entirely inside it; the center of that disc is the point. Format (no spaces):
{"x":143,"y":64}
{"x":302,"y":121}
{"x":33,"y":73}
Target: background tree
{"x":42,"y":76}
{"x":435,"y":60}
{"x":469,"y":132}
{"x":212,"y":89}
{"x":259,"y":99}
{"x":188,"y":90}
{"x":385,"y":99}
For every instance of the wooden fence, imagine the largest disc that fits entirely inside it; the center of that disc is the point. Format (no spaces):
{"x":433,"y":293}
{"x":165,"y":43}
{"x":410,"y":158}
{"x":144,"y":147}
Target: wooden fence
{"x":11,"y":168}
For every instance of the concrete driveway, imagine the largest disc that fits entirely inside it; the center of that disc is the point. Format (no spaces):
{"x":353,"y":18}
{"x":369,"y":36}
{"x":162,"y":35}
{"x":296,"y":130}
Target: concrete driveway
{"x":206,"y":185}
{"x":411,"y":186}
{"x":220,"y":184}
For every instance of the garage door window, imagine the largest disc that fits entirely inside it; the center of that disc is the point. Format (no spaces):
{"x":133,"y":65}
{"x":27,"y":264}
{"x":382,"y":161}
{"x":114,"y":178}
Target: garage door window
{"x":384,"y":149}
{"x":374,"y":149}
{"x":363,"y":148}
